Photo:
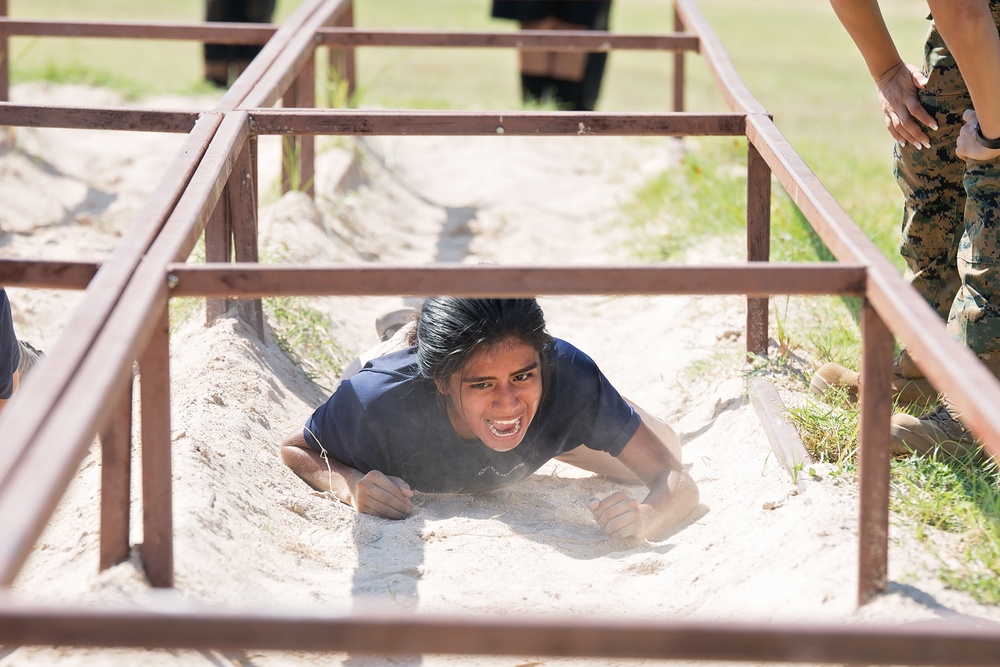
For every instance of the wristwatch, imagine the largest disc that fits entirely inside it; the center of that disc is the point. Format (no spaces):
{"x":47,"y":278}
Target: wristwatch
{"x":984,"y":142}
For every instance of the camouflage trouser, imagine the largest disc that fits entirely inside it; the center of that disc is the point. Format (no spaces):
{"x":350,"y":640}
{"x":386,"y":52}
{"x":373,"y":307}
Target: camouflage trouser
{"x":951,"y":226}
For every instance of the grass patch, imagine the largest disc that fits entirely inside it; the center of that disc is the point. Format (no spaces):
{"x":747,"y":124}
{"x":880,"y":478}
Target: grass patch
{"x":303,"y":333}
{"x":959,"y":499}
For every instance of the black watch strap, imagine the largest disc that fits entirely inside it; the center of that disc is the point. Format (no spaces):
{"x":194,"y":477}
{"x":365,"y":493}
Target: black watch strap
{"x":984,"y":142}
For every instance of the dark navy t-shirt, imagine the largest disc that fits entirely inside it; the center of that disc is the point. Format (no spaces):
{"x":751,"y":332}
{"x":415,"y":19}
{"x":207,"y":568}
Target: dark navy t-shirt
{"x":387,"y":418}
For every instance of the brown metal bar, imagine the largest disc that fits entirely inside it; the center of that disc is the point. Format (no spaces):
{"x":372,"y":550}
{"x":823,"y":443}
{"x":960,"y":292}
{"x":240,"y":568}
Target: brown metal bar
{"x":937,"y":644}
{"x":46,"y":274}
{"x":218,"y":248}
{"x":758,"y":244}
{"x":116,"y":479}
{"x":157,"y":496}
{"x":217,"y":280}
{"x":50,"y":413}
{"x":950,"y":366}
{"x":4,"y":58}
{"x":549,"y":40}
{"x":299,"y":47}
{"x":873,"y":454}
{"x":77,"y":118}
{"x":307,"y":143}
{"x":678,"y":96}
{"x":256,"y":33}
{"x":242,"y":206}
{"x":271,"y":72}
{"x":35,"y":477}
{"x":343,"y":60}
{"x":521,"y":123}
{"x":290,"y":144}
{"x":728,"y":82}
{"x":217,"y":32}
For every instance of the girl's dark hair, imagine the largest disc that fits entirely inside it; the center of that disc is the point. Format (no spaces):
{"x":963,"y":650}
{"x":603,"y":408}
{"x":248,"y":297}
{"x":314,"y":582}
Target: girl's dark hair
{"x":452,"y":329}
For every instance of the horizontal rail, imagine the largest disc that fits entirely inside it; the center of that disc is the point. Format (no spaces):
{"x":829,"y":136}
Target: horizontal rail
{"x":549,"y":40}
{"x":727,"y":80}
{"x":255,"y":33}
{"x":219,"y":33}
{"x":46,"y":274}
{"x":219,"y":280}
{"x":940,"y":644}
{"x":106,"y":118}
{"x":516,"y":123}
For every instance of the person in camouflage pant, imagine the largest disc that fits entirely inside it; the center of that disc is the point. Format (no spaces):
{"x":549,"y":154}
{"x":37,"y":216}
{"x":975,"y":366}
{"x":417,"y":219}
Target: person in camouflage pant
{"x":951,"y":190}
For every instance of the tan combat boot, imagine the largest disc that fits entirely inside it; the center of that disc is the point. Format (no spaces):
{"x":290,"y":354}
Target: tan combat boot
{"x":909,"y":386}
{"x":938,"y":430}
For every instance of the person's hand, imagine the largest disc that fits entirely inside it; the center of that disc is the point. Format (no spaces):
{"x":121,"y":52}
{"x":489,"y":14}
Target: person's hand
{"x":384,"y":496}
{"x":969,"y":147}
{"x":897,"y":93}
{"x":618,"y":515}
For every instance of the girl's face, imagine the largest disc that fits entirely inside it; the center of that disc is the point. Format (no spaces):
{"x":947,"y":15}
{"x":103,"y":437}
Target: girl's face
{"x":496,"y":395}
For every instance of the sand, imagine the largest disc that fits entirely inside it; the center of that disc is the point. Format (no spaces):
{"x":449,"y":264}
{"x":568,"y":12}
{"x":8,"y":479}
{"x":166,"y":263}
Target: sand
{"x":250,"y":535}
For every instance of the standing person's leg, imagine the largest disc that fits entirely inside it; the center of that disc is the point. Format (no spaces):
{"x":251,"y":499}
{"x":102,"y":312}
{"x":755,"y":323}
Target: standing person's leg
{"x":582,"y":90}
{"x":974,"y":316}
{"x":251,"y":11}
{"x":572,"y":80}
{"x":217,"y":56}
{"x":534,"y":66}
{"x":931,"y":181}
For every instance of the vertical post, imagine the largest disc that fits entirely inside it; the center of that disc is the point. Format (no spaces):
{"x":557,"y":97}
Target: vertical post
{"x":218,"y":248}
{"x":873,"y":454}
{"x":349,"y":60}
{"x":116,"y":478}
{"x":4,"y":58}
{"x":157,"y":501}
{"x":678,"y":66}
{"x":299,"y":153}
{"x":242,"y":204}
{"x":307,"y":143}
{"x":290,"y":146}
{"x":758,"y":243}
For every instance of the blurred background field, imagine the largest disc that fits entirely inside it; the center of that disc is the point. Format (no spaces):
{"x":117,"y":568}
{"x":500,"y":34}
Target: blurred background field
{"x":793,"y":55}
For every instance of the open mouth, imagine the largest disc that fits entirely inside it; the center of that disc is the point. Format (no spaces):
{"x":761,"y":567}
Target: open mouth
{"x":504,"y":428}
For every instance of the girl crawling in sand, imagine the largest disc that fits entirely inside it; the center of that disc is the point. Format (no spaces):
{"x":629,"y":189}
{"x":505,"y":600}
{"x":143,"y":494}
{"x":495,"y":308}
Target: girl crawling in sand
{"x":476,"y":395}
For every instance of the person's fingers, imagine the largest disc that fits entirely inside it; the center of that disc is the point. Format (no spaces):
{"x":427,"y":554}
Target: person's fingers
{"x":969,"y":116}
{"x":905,"y":116}
{"x":617,"y":515}
{"x":906,"y":127}
{"x":920,"y":115}
{"x":623,"y":520}
{"x":381,"y":496}
{"x":403,"y":486}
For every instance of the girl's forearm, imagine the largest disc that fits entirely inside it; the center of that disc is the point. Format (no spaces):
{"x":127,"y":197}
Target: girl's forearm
{"x":864,"y":23}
